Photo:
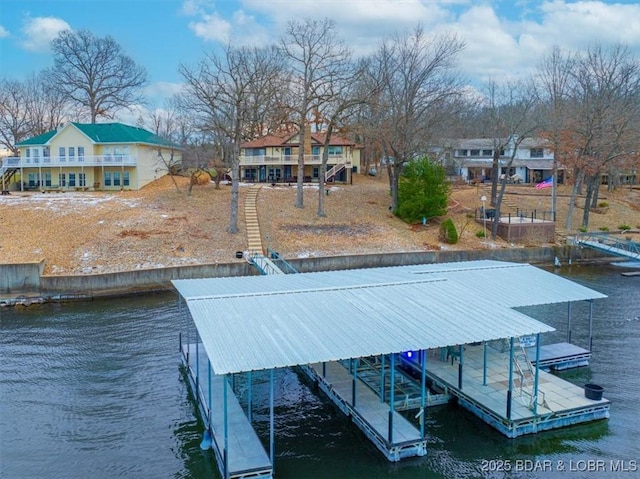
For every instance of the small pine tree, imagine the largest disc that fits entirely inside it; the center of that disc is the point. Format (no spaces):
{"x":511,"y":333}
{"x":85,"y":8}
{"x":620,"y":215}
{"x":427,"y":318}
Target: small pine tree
{"x":448,"y":232}
{"x":423,"y":191}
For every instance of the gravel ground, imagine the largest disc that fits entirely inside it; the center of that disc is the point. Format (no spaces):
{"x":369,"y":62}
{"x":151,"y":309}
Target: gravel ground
{"x":84,"y":233}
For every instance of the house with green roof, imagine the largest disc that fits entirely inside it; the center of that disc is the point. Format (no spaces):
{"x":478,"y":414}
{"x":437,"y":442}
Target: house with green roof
{"x":90,"y":156}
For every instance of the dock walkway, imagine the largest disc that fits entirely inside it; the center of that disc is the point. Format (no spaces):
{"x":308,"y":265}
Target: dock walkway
{"x":370,"y":414}
{"x":246,"y":457}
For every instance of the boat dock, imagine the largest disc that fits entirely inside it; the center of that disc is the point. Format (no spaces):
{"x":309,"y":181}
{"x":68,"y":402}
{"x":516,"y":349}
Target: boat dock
{"x":398,"y":441}
{"x":239,"y":452}
{"x":560,"y":356}
{"x":485,"y":391}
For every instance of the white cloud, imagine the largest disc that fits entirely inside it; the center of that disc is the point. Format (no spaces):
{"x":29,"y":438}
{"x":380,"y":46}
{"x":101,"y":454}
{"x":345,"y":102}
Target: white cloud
{"x":162,"y":90}
{"x":39,"y":31}
{"x":3,"y":32}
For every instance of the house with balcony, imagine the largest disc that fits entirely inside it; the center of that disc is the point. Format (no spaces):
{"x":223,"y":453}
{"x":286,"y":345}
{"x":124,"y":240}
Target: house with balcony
{"x":89,"y":156}
{"x":274,"y":158}
{"x":471,"y":159}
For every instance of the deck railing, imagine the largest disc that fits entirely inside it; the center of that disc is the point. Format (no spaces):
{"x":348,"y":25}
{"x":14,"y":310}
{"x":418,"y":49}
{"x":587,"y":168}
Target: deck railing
{"x":290,"y":159}
{"x":62,"y":161}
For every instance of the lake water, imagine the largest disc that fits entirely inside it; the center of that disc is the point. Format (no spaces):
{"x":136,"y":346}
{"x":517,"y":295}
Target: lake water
{"x":94,"y":390}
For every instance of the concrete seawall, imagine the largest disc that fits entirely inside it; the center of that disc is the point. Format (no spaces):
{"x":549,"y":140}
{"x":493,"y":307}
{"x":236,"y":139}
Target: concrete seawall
{"x":27,"y":279}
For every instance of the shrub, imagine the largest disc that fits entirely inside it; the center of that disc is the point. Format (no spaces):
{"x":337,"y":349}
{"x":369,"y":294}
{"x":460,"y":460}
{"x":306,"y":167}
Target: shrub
{"x":624,"y":227}
{"x":583,"y":229}
{"x":480,"y":234}
{"x":448,"y":232}
{"x":423,"y":191}
{"x":604,"y":228}
{"x":603,"y":204}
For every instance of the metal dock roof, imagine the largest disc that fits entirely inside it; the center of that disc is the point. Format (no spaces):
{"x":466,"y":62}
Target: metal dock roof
{"x":264,"y":322}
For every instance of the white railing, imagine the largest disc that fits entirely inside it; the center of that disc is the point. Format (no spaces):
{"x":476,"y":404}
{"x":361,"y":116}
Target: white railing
{"x":288,"y":160}
{"x":57,"y":161}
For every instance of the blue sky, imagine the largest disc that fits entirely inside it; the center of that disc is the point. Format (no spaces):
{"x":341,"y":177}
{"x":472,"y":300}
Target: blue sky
{"x":505,"y":38}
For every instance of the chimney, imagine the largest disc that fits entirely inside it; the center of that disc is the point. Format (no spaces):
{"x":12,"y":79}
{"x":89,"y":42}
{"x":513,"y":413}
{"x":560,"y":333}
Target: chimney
{"x":307,"y":139}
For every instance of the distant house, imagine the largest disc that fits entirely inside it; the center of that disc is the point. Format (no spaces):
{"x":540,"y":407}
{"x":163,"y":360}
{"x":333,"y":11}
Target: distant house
{"x":81,"y":156}
{"x":472,"y":159}
{"x":274,"y":158}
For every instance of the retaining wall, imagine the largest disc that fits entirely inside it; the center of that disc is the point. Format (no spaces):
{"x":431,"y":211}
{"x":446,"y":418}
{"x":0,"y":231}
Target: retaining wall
{"x":16,"y":279}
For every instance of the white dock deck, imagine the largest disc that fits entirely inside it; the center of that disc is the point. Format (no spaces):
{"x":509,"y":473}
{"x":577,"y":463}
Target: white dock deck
{"x":560,"y":356}
{"x":246,"y":456}
{"x":560,"y":403}
{"x":370,"y":414}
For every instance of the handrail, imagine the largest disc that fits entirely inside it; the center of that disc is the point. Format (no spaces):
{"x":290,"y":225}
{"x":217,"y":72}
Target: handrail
{"x":280,"y":261}
{"x":58,"y":161}
{"x":613,"y":244}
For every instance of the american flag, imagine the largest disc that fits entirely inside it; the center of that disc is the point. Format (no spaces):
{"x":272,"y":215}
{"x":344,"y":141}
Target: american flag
{"x":548,"y":183}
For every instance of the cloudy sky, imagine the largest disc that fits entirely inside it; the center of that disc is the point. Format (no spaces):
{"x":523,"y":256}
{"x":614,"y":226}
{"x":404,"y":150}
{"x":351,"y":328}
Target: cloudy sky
{"x":504,"y":38}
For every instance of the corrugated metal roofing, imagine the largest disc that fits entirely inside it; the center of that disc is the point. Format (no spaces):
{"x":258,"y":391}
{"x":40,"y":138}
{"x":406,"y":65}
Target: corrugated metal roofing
{"x":263,"y":322}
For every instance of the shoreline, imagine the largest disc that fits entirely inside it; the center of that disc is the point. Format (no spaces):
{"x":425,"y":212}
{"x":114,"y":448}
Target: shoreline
{"x":25,"y":285}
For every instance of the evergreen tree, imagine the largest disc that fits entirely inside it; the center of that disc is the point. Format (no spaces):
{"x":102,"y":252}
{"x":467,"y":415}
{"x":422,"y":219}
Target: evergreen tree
{"x":423,"y":191}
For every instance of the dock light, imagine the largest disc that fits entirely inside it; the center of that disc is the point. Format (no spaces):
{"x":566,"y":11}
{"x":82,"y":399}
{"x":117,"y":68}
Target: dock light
{"x":409,"y":354}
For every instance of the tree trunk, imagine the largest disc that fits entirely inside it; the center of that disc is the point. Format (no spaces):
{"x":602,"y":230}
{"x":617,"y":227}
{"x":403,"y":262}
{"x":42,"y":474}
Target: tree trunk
{"x":235,"y":175}
{"x":494,"y":177}
{"x":572,"y":201}
{"x":591,"y":180}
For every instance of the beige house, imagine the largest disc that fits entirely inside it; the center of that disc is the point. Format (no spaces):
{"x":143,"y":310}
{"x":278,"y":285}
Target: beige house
{"x":274,"y":158}
{"x":80,"y":156}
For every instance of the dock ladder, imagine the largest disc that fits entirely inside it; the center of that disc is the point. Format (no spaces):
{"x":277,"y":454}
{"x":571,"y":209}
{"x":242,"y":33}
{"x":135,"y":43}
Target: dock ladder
{"x":526,"y":375}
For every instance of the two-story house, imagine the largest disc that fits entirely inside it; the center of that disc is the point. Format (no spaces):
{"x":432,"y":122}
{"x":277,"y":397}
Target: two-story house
{"x":93,"y":156}
{"x":274,"y":158}
{"x":472,"y":159}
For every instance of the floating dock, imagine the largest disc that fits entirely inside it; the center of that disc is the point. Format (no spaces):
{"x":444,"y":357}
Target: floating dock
{"x":240,"y":454}
{"x":485,"y":392}
{"x":560,"y":356}
{"x":398,"y":441}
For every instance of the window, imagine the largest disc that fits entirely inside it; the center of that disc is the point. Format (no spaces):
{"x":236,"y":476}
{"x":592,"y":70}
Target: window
{"x":27,"y":153}
{"x":81,"y":153}
{"x":46,"y":154}
{"x":107,"y":178}
{"x":47,"y":179}
{"x":72,"y":179}
{"x":315,"y":151}
{"x":116,"y":178}
{"x":62,"y":153}
{"x":335,"y":150}
{"x":82,"y":179}
{"x":461,"y":152}
{"x":33,"y":180}
{"x":72,"y":153}
{"x":487,"y":152}
{"x":107,"y":154}
{"x":316,"y":172}
{"x":62,"y":179}
{"x":125,"y":178}
{"x":475,"y":152}
{"x":537,"y":153}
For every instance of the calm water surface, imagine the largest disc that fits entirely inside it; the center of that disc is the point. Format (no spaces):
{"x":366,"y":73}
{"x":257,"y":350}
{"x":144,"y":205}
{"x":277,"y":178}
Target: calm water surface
{"x":94,"y":390}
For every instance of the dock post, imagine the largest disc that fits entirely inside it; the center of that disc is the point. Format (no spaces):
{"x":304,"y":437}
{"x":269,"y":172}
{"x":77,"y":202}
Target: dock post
{"x":423,"y":388}
{"x":460,"y":349}
{"x":324,"y":369}
{"x":271,"y":438}
{"x":209,"y":381}
{"x":382,"y":378}
{"x":249,"y":380}
{"x":569,"y":322}
{"x":484,"y":363}
{"x":225,"y":380}
{"x":591,"y":325}
{"x":354,"y":382}
{"x":510,"y":391}
{"x":536,"y":380}
{"x":197,"y":370}
{"x":392,"y":397}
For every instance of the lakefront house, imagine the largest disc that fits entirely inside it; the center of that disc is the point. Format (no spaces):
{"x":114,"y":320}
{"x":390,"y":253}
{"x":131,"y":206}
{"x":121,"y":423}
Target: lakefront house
{"x":89,"y":156}
{"x":274,"y":158}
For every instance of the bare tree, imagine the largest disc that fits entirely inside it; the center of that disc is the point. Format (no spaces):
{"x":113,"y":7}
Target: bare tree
{"x":418,"y":86}
{"x":552,"y":86}
{"x":604,"y":126}
{"x":230,"y":94}
{"x":317,"y":58}
{"x":15,"y":122}
{"x":95,"y":73}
